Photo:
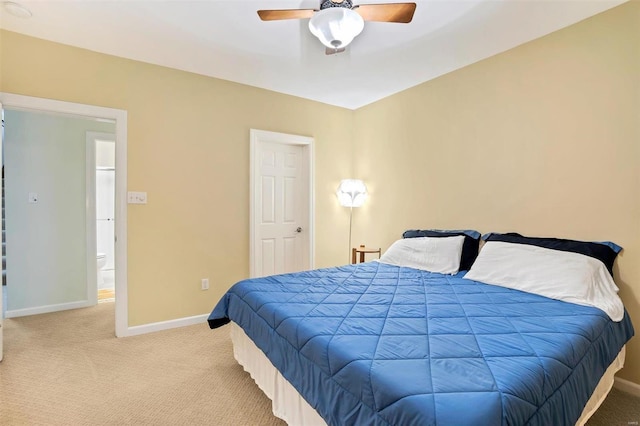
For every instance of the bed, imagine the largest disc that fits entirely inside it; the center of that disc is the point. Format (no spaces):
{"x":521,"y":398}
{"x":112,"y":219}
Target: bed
{"x":384,"y":344}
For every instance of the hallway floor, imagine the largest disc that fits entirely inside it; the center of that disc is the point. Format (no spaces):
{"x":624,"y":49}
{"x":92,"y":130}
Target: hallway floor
{"x":106,"y":295}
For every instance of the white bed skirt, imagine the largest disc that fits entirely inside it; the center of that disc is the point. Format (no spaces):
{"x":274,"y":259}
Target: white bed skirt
{"x":288,"y":405}
{"x":601,"y":391}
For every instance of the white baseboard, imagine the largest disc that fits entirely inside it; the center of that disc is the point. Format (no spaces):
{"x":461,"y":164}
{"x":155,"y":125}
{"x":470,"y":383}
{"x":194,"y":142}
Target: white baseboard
{"x":627,"y":386}
{"x":131,"y":331}
{"x":165,"y":325}
{"x":14,"y":313}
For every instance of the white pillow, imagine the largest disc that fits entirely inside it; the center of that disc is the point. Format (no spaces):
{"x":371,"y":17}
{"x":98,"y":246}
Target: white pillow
{"x":561,"y":275}
{"x":440,"y":255}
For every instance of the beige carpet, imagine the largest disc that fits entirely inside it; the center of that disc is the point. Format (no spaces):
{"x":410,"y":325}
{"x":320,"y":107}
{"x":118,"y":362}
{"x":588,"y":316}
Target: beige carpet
{"x":67,"y":368}
{"x":619,"y":409}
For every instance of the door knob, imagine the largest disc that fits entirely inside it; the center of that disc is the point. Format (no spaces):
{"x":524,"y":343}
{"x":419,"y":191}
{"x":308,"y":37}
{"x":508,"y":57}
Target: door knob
{"x":298,"y":230}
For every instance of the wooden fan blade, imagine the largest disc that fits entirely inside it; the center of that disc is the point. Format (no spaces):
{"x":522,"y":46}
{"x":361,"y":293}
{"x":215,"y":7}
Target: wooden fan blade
{"x":329,"y":51}
{"x":276,"y":15}
{"x":389,"y":12}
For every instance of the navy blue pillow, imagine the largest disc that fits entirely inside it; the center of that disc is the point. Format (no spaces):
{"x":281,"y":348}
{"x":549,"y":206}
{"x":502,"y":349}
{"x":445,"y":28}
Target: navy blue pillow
{"x":469,"y":246}
{"x":605,"y":251}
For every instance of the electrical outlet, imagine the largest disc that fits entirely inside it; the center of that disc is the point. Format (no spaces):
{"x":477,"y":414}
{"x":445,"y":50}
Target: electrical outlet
{"x":205,"y":283}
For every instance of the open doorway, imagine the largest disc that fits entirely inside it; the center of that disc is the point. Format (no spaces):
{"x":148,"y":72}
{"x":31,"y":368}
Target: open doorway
{"x":36,"y":198}
{"x":101,"y":154}
{"x":48,"y":200}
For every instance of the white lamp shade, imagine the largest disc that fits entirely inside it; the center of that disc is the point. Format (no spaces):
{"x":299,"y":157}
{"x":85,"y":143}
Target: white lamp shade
{"x":336,"y":27}
{"x":351,"y":193}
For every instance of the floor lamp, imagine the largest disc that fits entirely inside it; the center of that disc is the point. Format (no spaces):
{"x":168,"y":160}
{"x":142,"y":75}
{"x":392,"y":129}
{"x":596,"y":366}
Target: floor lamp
{"x":351,"y":193}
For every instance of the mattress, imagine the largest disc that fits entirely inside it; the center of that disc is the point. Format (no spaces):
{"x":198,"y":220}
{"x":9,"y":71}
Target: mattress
{"x":379,"y":344}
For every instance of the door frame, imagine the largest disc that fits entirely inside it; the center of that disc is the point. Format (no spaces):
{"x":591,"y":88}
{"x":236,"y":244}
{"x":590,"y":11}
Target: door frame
{"x":29,"y":103}
{"x":307,"y":143}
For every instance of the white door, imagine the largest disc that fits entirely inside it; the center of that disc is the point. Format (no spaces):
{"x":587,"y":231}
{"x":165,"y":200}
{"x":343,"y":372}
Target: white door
{"x":281,"y":210}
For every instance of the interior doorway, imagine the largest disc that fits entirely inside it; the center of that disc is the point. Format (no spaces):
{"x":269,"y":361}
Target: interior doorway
{"x":101,"y":177}
{"x":100,"y":115}
{"x":47,"y":205}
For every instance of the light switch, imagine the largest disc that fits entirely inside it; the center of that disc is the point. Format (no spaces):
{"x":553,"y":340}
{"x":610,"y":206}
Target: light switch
{"x":137,"y":197}
{"x":33,"y":197}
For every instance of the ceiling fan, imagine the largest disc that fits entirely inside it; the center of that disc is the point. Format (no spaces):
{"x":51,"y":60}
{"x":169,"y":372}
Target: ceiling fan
{"x":338,"y":22}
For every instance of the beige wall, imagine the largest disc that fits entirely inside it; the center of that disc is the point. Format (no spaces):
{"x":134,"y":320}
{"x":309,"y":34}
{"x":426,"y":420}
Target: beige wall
{"x":188,"y":147}
{"x":543,"y":140}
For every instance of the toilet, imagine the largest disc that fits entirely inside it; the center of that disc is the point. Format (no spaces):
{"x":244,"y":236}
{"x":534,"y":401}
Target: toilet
{"x":101,"y":262}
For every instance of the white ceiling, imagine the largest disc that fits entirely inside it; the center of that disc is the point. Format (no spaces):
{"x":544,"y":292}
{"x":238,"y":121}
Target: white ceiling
{"x":226,"y":39}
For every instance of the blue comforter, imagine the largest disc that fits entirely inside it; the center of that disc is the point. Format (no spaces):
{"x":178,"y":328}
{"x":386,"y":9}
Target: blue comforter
{"x":375,"y":344}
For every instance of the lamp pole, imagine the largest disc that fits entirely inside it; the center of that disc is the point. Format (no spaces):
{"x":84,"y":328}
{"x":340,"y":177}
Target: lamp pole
{"x":350,"y":223}
{"x":351,"y":193}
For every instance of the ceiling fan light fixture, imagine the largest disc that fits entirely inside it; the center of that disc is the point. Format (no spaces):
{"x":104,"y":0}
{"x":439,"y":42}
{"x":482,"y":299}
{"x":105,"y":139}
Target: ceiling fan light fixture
{"x":336,"y":27}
